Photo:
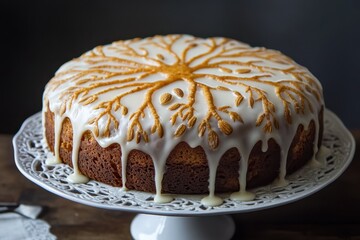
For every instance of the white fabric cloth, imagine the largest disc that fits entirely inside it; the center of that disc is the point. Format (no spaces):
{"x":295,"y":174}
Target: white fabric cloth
{"x":16,"y":226}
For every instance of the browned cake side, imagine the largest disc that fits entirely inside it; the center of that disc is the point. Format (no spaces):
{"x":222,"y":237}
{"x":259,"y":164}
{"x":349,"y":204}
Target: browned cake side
{"x":187,"y":171}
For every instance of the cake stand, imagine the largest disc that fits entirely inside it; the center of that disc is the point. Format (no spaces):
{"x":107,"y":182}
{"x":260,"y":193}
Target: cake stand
{"x":185,"y":217}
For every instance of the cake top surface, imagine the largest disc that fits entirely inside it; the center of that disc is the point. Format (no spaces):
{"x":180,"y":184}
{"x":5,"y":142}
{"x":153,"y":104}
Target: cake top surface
{"x":181,"y":87}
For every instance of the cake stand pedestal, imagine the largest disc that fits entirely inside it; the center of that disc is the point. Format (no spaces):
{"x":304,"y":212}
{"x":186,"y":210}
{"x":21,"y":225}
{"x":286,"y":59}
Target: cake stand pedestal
{"x":145,"y":227}
{"x":185,"y":217}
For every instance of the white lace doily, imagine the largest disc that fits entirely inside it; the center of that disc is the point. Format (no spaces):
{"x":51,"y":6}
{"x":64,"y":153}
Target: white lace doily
{"x":31,"y":153}
{"x":15,"y":226}
{"x":38,"y":229}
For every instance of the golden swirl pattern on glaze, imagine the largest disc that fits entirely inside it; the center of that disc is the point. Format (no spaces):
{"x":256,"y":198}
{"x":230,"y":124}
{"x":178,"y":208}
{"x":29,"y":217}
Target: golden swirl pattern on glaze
{"x":224,"y":55}
{"x":137,"y":91}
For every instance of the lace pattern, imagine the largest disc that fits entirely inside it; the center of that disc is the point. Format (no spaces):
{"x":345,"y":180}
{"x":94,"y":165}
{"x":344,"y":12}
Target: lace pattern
{"x":37,"y":229}
{"x":31,"y":153}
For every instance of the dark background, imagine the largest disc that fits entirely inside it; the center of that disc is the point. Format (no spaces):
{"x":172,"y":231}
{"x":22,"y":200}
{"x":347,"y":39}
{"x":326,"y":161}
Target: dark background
{"x":38,"y":36}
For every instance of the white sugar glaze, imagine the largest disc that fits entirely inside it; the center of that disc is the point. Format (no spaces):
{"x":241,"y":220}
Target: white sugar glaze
{"x":114,"y":91}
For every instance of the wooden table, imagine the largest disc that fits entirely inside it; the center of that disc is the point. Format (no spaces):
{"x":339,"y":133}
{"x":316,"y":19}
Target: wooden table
{"x":332,"y":213}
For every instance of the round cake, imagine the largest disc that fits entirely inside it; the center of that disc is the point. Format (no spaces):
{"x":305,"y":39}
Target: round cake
{"x":183,"y":115}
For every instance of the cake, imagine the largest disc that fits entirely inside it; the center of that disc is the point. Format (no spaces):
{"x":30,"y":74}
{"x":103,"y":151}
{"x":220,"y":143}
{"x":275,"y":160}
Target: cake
{"x":180,"y":114}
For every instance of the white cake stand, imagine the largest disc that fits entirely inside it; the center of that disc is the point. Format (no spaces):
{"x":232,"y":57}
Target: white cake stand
{"x":185,"y":217}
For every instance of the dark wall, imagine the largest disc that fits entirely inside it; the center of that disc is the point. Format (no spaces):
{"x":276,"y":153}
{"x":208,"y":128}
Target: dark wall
{"x":38,"y":36}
